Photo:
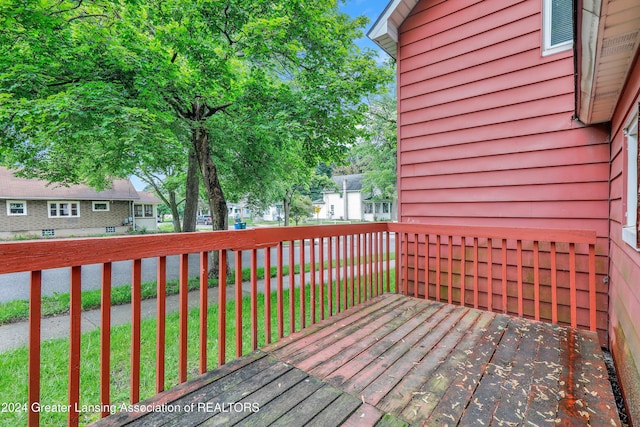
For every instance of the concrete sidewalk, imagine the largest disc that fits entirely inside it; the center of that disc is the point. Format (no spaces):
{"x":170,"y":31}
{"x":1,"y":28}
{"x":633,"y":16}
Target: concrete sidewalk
{"x":15,"y":335}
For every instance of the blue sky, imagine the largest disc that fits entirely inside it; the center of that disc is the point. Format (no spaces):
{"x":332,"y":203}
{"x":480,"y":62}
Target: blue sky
{"x":370,"y":8}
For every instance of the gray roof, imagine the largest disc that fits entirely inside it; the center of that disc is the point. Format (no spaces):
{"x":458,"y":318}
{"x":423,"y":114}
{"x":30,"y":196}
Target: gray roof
{"x":13,"y":187}
{"x":354,"y":182}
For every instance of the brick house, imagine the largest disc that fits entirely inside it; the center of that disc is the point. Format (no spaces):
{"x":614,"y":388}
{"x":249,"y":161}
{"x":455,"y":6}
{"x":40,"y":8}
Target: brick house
{"x":30,"y":207}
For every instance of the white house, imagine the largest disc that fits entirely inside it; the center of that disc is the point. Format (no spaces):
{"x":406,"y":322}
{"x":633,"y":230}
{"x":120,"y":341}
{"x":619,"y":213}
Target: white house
{"x":349,"y":203}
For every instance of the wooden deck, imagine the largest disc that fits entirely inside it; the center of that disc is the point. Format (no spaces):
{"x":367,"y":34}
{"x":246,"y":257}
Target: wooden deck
{"x":397,"y":360}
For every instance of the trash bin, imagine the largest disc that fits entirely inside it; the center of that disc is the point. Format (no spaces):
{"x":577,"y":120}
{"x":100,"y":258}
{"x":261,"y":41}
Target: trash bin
{"x":237,"y":226}
{"x":243,"y":225}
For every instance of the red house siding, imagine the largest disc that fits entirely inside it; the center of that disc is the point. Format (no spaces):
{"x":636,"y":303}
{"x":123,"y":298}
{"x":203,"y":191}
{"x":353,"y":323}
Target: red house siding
{"x":624,"y":299}
{"x":486,"y":129}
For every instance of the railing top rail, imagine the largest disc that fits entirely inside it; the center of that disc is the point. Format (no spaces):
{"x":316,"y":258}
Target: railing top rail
{"x":48,"y":254}
{"x":535,"y":234}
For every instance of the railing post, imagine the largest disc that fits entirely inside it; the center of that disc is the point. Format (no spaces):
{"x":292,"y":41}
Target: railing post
{"x":267,"y":295}
{"x":222,"y":307}
{"x":105,"y":339}
{"x":254,"y":299}
{"x":35,"y":321}
{"x":204,"y":305}
{"x":592,"y":288}
{"x":238,"y":298}
{"x":136,"y":299}
{"x":75,"y":313}
{"x":161,"y":309}
{"x":184,"y":316}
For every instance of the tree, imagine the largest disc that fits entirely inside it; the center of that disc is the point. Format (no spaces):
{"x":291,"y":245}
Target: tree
{"x":94,"y":91}
{"x":301,"y":208}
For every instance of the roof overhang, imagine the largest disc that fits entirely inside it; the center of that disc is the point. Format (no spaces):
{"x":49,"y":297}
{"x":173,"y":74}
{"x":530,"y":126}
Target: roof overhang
{"x":384,"y":31}
{"x":609,"y":40}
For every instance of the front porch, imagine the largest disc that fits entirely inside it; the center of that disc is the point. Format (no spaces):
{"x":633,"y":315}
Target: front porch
{"x":362,"y":351}
{"x":397,"y":360}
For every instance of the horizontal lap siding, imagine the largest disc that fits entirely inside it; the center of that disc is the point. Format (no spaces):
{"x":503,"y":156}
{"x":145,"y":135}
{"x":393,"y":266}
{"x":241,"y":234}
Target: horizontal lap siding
{"x":486,"y":129}
{"x":624,"y":326}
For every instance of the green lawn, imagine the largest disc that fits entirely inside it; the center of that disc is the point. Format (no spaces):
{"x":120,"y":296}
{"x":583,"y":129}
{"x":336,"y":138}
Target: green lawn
{"x":13,"y":364}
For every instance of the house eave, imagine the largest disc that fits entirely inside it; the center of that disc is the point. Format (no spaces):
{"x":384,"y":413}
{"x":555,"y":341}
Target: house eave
{"x":609,"y":40}
{"x":384,"y":32}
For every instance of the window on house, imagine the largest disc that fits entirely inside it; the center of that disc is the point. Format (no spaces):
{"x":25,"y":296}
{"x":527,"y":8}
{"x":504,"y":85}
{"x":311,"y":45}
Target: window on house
{"x":385,"y":208}
{"x":110,"y":229}
{"x":48,"y":232}
{"x":16,"y":207}
{"x":368,"y":208}
{"x":631,"y":232}
{"x":100,"y":206}
{"x":557,"y":26}
{"x":143,"y":211}
{"x":64,"y":209}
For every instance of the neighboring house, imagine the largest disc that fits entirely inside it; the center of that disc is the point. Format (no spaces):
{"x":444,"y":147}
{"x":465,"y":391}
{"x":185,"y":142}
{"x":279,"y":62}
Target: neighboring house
{"x":30,"y":207}
{"x":349,"y":203}
{"x":506,"y":118}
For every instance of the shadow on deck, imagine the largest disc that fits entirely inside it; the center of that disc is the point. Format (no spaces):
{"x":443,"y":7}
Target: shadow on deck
{"x":397,"y":360}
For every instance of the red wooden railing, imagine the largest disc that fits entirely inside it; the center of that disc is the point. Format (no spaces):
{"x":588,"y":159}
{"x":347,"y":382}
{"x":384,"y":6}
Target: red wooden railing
{"x":541,"y":274}
{"x":547,"y":275}
{"x":360,"y":260}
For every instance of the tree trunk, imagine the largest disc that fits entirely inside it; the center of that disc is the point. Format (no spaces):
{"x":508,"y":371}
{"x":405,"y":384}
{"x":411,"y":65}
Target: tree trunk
{"x":192,"y":193}
{"x":173,"y":205}
{"x":217,"y":202}
{"x":287,"y":208}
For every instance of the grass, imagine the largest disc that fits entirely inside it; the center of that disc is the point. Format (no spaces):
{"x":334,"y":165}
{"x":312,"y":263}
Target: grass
{"x":54,"y":383}
{"x":57,"y":304}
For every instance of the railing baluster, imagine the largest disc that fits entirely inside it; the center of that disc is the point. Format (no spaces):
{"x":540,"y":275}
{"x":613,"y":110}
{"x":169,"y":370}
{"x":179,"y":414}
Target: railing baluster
{"x":303,"y":310}
{"x":292,"y":287}
{"x":312,"y":285}
{"x":267,"y":295}
{"x":416,"y":264}
{"x":519,"y":271}
{"x":345,"y":271}
{"x":161,"y":309}
{"x":592,"y":288}
{"x":554,"y":284}
{"x":375,"y":259}
{"x":105,"y":339}
{"x":204,"y":304}
{"x":388,"y":249}
{"x":406,"y":263}
{"x":184,"y":316}
{"x":536,"y":279}
{"x":338,"y":283}
{"x":75,"y":313}
{"x":330,"y":275}
{"x":426,"y":266}
{"x":321,"y":262}
{"x":450,"y":269}
{"x":35,"y":322}
{"x":475,"y":272}
{"x":352,"y":269}
{"x":437,"y":267}
{"x":280,"y":292}
{"x":572,"y":284}
{"x":222,"y":307}
{"x":463,"y":269}
{"x":254,"y":299}
{"x":238,"y":298}
{"x":380,"y":264}
{"x":398,"y":259}
{"x":489,"y":275}
{"x":136,"y":300}
{"x":359,"y":269}
{"x":504,"y":276}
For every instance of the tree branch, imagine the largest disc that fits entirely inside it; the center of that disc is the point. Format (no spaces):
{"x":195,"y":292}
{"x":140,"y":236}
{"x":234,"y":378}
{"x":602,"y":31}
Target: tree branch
{"x":96,"y":15}
{"x":212,"y":110}
{"x":65,"y":10}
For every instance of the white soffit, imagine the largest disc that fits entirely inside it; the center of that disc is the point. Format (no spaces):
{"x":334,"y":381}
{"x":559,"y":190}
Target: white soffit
{"x":609,"y":43}
{"x":384,"y":31}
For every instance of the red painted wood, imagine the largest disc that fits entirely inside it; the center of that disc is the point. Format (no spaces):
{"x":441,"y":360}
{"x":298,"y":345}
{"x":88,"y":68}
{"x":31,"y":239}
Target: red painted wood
{"x":405,"y":238}
{"x":105,"y":339}
{"x":450,"y":269}
{"x":519,"y":268}
{"x":572,"y":284}
{"x":463,"y":270}
{"x":267,"y":295}
{"x":489,"y":276}
{"x":554,"y":284}
{"x":536,"y":279}
{"x":388,"y":252}
{"x":475,"y":273}
{"x":438,"y":267}
{"x":75,"y":313}
{"x":280,"y":296}
{"x":504,"y":275}
{"x":416,"y":265}
{"x":312,"y":285}
{"x":338,"y":283}
{"x":292,"y":288}
{"x":238,"y":300}
{"x":204,"y":308}
{"x":222,"y":307}
{"x":426,"y":266}
{"x":352,"y":257}
{"x":321,"y":262}
{"x":592,"y":289}
{"x":184,"y":317}
{"x":35,"y":320}
{"x":302,"y":299}
{"x":254,"y":299}
{"x":161,"y":327}
{"x":136,"y":301}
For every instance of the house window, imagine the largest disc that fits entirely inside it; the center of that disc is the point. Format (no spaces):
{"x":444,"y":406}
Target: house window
{"x":16,"y":207}
{"x":557,"y":26}
{"x":143,"y":211}
{"x":111,"y":229}
{"x":48,"y":232}
{"x":631,"y":232}
{"x":368,"y":208}
{"x":100,"y":206}
{"x":385,"y":208}
{"x":64,"y":209}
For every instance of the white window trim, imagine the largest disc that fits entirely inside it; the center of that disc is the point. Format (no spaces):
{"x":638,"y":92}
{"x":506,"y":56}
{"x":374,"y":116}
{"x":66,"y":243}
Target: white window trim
{"x":143,"y":210}
{"x":24,"y":202}
{"x":629,"y":231}
{"x":93,"y":206}
{"x":547,"y":48}
{"x":57,"y":202}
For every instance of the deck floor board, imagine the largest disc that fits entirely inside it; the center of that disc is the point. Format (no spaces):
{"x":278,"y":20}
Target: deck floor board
{"x":398,"y":360}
